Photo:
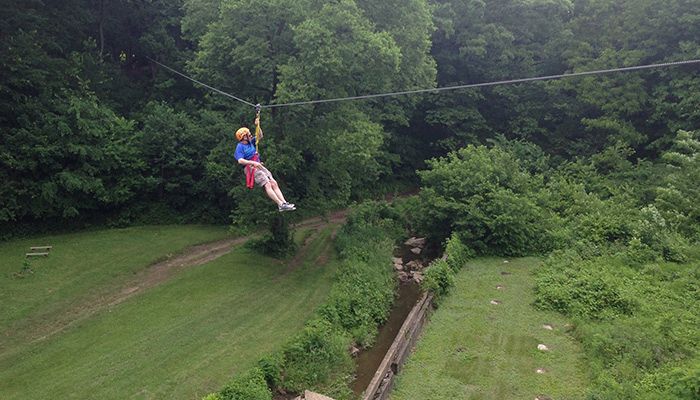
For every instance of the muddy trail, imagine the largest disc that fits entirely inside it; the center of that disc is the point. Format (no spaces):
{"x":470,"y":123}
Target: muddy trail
{"x":43,"y":327}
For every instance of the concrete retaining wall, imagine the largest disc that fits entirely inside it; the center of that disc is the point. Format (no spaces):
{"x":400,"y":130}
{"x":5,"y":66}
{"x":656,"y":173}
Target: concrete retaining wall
{"x":380,"y":386}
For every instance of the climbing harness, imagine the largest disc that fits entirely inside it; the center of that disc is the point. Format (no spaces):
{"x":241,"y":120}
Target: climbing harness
{"x":250,"y":172}
{"x":444,"y":88}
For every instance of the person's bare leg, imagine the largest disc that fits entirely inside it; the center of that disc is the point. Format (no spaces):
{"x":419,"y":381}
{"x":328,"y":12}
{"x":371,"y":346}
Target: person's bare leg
{"x":272,"y":195}
{"x":277,"y":190}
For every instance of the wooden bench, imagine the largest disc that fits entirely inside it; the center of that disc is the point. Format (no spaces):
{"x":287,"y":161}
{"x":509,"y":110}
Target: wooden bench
{"x":39,"y":251}
{"x":37,"y":254}
{"x":41,"y":248}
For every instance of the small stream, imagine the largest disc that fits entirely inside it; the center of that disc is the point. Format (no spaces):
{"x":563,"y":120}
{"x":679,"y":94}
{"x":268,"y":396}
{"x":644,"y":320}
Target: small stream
{"x":368,"y":360}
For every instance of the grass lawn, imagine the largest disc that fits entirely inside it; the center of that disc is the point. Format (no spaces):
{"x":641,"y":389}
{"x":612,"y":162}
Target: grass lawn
{"x":82,"y":265}
{"x":472,"y":349}
{"x":179,"y":340}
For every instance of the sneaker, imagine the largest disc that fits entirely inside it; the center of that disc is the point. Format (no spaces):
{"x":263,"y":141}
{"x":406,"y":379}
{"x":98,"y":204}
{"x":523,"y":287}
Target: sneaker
{"x":286,"y":207}
{"x":291,"y":204}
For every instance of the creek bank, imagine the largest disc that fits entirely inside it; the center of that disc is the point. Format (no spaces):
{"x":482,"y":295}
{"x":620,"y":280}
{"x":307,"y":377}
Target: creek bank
{"x":410,"y":260}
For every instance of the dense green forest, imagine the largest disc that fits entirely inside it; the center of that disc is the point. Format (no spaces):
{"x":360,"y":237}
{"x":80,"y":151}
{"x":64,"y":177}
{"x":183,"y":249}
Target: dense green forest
{"x":93,"y":132}
{"x":597,"y":174}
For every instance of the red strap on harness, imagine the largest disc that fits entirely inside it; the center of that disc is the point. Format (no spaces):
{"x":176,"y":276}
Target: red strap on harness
{"x":250,"y":172}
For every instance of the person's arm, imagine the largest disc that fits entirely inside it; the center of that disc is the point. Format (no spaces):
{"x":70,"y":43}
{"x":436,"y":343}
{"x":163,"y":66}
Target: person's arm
{"x":238,"y":155}
{"x":243,"y":161}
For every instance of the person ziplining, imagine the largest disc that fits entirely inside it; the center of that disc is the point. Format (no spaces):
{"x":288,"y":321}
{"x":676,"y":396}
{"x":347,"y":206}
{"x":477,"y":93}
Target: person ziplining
{"x":247,"y":155}
{"x":256,"y":173}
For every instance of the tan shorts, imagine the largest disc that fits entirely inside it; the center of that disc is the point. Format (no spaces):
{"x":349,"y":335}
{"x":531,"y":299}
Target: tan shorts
{"x":262,"y":176}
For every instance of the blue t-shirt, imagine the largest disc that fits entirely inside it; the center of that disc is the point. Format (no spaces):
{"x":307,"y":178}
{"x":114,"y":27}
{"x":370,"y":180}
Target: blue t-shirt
{"x":246,"y":151}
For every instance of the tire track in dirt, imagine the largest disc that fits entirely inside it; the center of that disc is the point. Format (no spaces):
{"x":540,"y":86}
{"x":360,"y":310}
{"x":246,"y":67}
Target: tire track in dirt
{"x":317,"y":224}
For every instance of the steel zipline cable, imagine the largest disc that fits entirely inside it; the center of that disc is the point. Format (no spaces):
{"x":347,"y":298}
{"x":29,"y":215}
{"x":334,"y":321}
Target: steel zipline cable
{"x":444,"y":88}
{"x":201,"y":83}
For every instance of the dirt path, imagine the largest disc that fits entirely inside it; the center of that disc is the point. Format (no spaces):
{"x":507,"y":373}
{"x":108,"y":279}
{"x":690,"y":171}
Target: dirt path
{"x":146,"y":279}
{"x":335,"y":217}
{"x":160,"y":272}
{"x":323,"y":256}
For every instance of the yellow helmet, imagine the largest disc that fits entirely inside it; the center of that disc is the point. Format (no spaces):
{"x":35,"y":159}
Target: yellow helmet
{"x":241,"y":133}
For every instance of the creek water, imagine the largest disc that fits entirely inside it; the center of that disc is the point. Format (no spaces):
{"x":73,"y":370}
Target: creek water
{"x":368,"y":360}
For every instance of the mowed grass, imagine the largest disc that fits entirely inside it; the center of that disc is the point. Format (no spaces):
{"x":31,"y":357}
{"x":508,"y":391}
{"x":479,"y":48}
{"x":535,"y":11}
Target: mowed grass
{"x":82,"y":265}
{"x":472,"y":349}
{"x":180,"y":340}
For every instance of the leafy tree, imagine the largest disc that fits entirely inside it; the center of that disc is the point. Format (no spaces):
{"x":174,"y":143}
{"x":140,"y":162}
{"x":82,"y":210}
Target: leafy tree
{"x":75,"y":158}
{"x":677,"y":197}
{"x":174,"y":146}
{"x":486,"y":196}
{"x":326,"y":153}
{"x":198,"y":14}
{"x":479,"y":41}
{"x":243,"y":48}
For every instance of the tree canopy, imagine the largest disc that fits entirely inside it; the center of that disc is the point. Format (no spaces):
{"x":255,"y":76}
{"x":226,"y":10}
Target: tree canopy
{"x":91,"y":129}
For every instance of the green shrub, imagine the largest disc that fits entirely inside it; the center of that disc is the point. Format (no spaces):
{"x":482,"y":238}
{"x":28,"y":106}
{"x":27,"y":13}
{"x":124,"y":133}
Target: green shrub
{"x":249,"y":386}
{"x":363,"y":293}
{"x":380,"y":216}
{"x":515,"y":224}
{"x":490,"y":198}
{"x":632,"y":360}
{"x":279,"y":242}
{"x":654,"y":232}
{"x":677,"y":196}
{"x":637,"y":325}
{"x":271,"y":365}
{"x":361,"y":299}
{"x":582,"y":289}
{"x":457,"y":252}
{"x":638,"y":253}
{"x":408,"y":208}
{"x":686,"y":384}
{"x":675,"y":250}
{"x":314,"y":355}
{"x":603,"y":221}
{"x":439,"y":278}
